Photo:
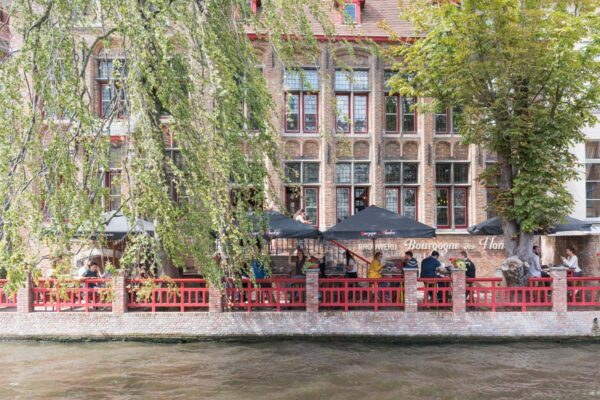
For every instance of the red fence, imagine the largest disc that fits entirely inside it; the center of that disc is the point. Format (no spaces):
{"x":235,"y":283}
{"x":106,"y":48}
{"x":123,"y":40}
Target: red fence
{"x":435,"y":292}
{"x":485,"y":294}
{"x":275,"y":293}
{"x":167,"y":294}
{"x":349,"y":294}
{"x":5,"y":300}
{"x":583,"y":291}
{"x":73,"y":295}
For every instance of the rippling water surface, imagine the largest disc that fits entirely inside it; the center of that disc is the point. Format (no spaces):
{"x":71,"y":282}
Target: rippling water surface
{"x":298,"y":370}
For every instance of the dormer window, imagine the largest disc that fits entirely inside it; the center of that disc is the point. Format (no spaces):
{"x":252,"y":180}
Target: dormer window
{"x":256,"y":6}
{"x":350,"y":14}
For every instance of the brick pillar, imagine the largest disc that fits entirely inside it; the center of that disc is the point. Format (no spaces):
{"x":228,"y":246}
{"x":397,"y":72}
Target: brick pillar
{"x":559,"y":289}
{"x":215,"y":298}
{"x":119,"y":303}
{"x":25,"y":296}
{"x":410,"y":289}
{"x":459,"y":284}
{"x":312,"y":290}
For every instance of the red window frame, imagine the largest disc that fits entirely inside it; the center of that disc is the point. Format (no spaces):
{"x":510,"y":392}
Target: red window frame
{"x":316,"y":131}
{"x":303,"y":202}
{"x":366,"y":96}
{"x":400,"y":204}
{"x":367,"y":200}
{"x":350,"y":120}
{"x":448,"y":123}
{"x":401,"y":116}
{"x":385,"y":113}
{"x":358,"y":12}
{"x":450,"y":208}
{"x":285,"y":110}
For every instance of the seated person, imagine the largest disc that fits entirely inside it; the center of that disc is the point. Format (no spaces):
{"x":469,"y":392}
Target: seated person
{"x":409,"y":260}
{"x":431,"y":266}
{"x":376,"y":266}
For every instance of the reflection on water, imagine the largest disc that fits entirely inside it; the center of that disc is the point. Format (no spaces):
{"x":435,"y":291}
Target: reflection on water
{"x":298,"y":370}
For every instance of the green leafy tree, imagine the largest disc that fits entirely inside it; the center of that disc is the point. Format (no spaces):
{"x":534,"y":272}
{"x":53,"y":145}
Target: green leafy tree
{"x":525,"y":74}
{"x":188,"y":69}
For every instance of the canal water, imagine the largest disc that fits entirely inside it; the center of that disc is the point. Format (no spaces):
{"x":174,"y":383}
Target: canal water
{"x":294,"y":369}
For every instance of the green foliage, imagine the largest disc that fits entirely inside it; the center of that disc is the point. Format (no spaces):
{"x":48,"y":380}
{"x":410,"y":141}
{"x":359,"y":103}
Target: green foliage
{"x":526,"y":75}
{"x":191,"y":71}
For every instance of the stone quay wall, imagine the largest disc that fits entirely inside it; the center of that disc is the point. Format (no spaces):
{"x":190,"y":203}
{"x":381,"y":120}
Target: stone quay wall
{"x":411,"y":323}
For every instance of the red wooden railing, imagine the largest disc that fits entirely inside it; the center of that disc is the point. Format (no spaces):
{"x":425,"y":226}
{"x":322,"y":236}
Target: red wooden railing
{"x":5,"y":300}
{"x":436,"y":292}
{"x":86,"y":294}
{"x":361,"y":293}
{"x":167,"y":294}
{"x":275,"y":293}
{"x":486,"y":294}
{"x":583,"y":291}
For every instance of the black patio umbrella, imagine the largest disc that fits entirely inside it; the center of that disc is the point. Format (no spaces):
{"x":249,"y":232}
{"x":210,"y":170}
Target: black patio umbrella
{"x":117,"y":226}
{"x":374,"y":223}
{"x":281,"y":226}
{"x":493,"y":226}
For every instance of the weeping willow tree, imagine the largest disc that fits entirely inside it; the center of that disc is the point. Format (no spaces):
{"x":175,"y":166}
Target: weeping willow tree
{"x":183,"y":69}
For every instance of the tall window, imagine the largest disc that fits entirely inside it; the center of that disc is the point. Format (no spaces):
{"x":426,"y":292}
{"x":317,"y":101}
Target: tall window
{"x":400,"y":113}
{"x":174,"y":153}
{"x":401,"y":179}
{"x":451,"y":194}
{"x":301,"y":100}
{"x":352,"y":101}
{"x":303,"y":192}
{"x":447,"y":121}
{"x":592,"y":178}
{"x":111,"y":88}
{"x":112,"y":177}
{"x":352,"y":191}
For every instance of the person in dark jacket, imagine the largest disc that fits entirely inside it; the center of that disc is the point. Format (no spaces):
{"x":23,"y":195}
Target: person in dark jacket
{"x":471,"y":271}
{"x":430,"y":266}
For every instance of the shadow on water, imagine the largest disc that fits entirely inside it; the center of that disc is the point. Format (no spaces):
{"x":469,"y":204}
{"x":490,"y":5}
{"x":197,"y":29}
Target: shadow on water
{"x":299,"y":369}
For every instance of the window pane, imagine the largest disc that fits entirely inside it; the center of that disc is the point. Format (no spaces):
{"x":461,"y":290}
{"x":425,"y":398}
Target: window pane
{"x":393,"y":172}
{"x":592,"y":209}
{"x":410,"y":173}
{"x":461,"y":173}
{"x":409,"y":203}
{"x":391,"y":200}
{"x":292,"y":199}
{"x":386,"y":77}
{"x":310,"y":80}
{"x":361,"y":199}
{"x":292,"y":80}
{"x":115,"y":156}
{"x":360,"y":80}
{"x":592,"y":149}
{"x":460,"y":216}
{"x":349,"y":13}
{"x":442,"y":172}
{"x":441,"y":202}
{"x":311,"y":204}
{"x":310,"y":113}
{"x":107,"y":94}
{"x":343,"y":173}
{"x":490,"y":197}
{"x":343,"y":203}
{"x":311,"y":173}
{"x":592,"y":190}
{"x":460,"y":207}
{"x":441,"y":123}
{"x":391,"y":113}
{"x":592,"y":172}
{"x":456,"y":117}
{"x":360,"y":113}
{"x":342,"y":81}
{"x":361,"y":173}
{"x":292,"y":172}
{"x":408,"y":114}
{"x":460,"y":197}
{"x":105,"y":68}
{"x":292,"y":112}
{"x":342,"y":117}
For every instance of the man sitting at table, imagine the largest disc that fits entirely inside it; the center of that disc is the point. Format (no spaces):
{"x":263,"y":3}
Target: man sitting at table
{"x":431,"y":265}
{"x":409,"y":260}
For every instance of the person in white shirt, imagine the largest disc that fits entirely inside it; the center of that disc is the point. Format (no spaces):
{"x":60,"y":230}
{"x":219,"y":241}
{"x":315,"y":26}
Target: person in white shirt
{"x":301,"y":216}
{"x":571,"y":262}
